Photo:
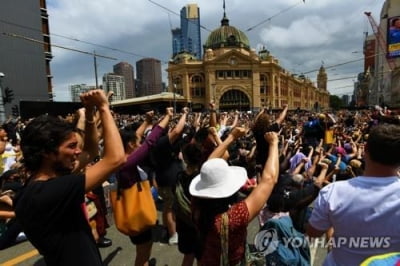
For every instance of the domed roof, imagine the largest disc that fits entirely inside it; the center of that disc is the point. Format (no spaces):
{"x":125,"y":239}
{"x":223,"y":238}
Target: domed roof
{"x":182,"y":56}
{"x":227,"y":36}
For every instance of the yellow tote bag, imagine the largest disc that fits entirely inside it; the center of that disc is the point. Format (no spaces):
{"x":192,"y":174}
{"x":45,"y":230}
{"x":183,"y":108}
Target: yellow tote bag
{"x":328,"y":138}
{"x":134,"y":208}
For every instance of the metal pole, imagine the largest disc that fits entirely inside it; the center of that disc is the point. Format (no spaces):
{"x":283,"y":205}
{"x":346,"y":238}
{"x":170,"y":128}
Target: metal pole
{"x":213,"y":91}
{"x":2,"y":109}
{"x":95,"y":68}
{"x":174,"y":99}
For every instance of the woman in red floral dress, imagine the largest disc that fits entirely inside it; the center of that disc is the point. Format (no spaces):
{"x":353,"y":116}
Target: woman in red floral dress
{"x":215,"y":191}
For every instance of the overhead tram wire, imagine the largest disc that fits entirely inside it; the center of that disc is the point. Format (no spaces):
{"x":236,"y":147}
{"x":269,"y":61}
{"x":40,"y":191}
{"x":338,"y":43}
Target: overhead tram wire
{"x":343,"y":93}
{"x":57,"y":46}
{"x":341,"y":64}
{"x":350,"y":77}
{"x":342,"y":87}
{"x":275,"y":15}
{"x":179,"y":15}
{"x":78,"y":40}
{"x":170,"y":22}
{"x":332,"y":66}
{"x":344,"y":63}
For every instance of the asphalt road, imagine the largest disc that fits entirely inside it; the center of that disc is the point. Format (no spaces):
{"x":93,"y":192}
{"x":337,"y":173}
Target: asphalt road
{"x":122,"y":252}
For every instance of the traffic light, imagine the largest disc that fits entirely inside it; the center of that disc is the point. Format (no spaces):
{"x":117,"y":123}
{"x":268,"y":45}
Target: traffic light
{"x":15,"y":110}
{"x":8,"y":95}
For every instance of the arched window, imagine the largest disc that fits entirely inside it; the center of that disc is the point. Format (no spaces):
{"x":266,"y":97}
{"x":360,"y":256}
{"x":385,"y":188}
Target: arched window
{"x":197,"y":86}
{"x":234,"y":100}
{"x":264,"y":84}
{"x":284,"y":86}
{"x":178,"y":85}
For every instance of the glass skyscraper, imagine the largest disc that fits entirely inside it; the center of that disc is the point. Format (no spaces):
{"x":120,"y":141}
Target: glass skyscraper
{"x":176,"y":41}
{"x":187,"y":38}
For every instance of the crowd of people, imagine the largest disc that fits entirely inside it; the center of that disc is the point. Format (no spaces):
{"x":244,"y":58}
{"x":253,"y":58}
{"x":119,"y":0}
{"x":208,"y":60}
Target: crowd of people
{"x":333,"y":173}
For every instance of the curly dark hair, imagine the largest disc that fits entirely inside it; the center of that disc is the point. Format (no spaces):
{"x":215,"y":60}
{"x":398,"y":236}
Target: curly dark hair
{"x":262,"y":124}
{"x":42,"y":135}
{"x":260,"y":127}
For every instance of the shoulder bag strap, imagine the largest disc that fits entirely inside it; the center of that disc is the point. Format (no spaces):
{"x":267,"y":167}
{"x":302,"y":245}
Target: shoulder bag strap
{"x":118,"y":185}
{"x":119,"y":189}
{"x":224,"y":239}
{"x":138,"y":184}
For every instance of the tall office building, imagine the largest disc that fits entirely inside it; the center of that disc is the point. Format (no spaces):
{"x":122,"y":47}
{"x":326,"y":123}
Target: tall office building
{"x":384,"y":78}
{"x":77,"y":89}
{"x":25,"y":64}
{"x":177,"y":46}
{"x":187,"y":38}
{"x":345,"y":99}
{"x":361,"y":91}
{"x":126,"y":70}
{"x":148,"y":76}
{"x":115,"y":83}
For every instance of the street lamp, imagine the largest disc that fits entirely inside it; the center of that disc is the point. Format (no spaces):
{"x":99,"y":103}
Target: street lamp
{"x":174,"y":88}
{"x":2,"y":110}
{"x":213,"y":90}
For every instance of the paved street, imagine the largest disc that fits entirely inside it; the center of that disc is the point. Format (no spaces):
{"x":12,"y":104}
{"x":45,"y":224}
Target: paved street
{"x":122,"y":252}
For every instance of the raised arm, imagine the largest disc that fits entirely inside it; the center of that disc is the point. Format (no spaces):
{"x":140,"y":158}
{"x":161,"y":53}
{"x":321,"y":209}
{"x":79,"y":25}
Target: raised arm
{"x":223,"y":119}
{"x":213,"y":115}
{"x":197,"y":121}
{"x":257,"y":198}
{"x":146,"y":123}
{"x":114,"y":155}
{"x":282,"y":115}
{"x":319,"y":181}
{"x":2,"y":145}
{"x":87,"y":124}
{"x":141,"y":153}
{"x":235,"y":119}
{"x":259,"y":114}
{"x":176,"y":132}
{"x":315,"y":160}
{"x":252,"y":151}
{"x":300,"y":166}
{"x":330,"y":116}
{"x":169,"y":113}
{"x":6,"y":207}
{"x":219,"y":152}
{"x":212,"y":131}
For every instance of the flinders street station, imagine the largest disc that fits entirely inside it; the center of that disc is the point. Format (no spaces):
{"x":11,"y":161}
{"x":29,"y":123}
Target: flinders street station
{"x":235,"y":77}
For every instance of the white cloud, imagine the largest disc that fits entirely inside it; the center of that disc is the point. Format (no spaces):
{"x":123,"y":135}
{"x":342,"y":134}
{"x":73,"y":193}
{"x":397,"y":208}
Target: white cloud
{"x":306,"y":32}
{"x":299,"y":38}
{"x":98,"y":22}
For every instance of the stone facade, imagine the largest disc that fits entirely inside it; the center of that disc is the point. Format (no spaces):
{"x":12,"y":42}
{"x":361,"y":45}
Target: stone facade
{"x":237,"y":77}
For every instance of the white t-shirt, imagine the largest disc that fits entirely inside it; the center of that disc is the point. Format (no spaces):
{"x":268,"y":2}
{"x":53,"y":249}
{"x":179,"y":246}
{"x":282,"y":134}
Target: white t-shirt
{"x":365,"y":215}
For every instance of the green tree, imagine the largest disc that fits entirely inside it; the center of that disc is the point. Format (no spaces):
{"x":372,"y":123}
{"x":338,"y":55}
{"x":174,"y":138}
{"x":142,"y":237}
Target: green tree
{"x":335,"y":102}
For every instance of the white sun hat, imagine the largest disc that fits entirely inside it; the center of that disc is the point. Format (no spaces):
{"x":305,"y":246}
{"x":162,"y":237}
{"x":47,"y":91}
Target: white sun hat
{"x":217,"y":180}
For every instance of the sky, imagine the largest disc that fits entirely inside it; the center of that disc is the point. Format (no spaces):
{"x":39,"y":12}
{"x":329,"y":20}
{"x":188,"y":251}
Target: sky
{"x":301,"y":35}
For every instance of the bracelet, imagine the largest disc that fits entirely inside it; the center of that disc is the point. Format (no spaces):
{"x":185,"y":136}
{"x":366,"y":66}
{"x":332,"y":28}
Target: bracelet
{"x":90,"y":121}
{"x":213,"y":111}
